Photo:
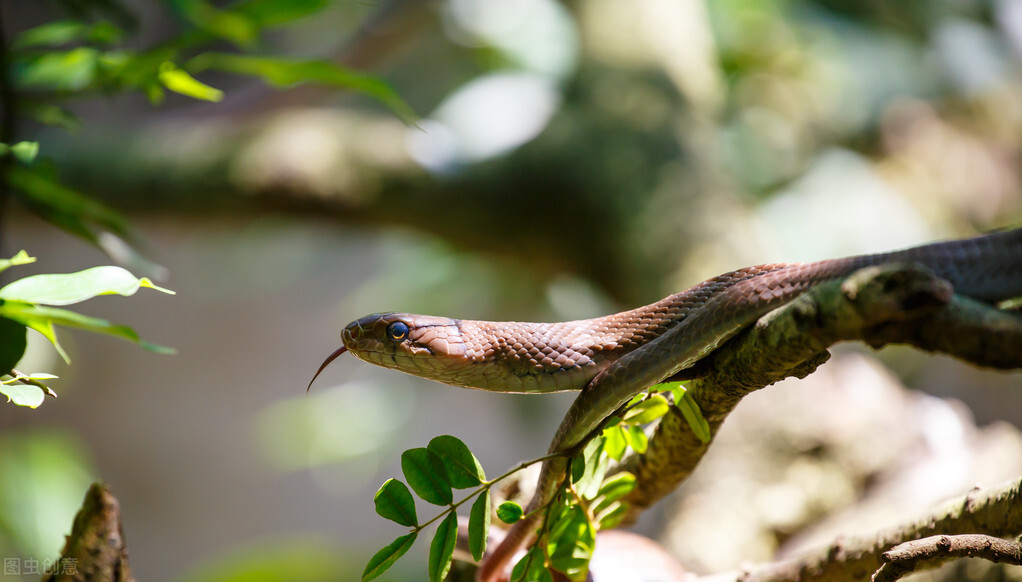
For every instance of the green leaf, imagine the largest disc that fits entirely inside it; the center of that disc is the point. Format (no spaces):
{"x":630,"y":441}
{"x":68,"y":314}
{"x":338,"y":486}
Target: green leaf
{"x":577,"y":466}
{"x":463,"y":469}
{"x":226,"y":24}
{"x":71,"y":70}
{"x":21,"y":258}
{"x":23,"y":394}
{"x":509,"y":512}
{"x":690,"y":411}
{"x":637,"y":439}
{"x":441,"y":549}
{"x":60,"y":32}
{"x":70,"y":288}
{"x":613,"y":489}
{"x":385,"y":558}
{"x":597,"y":462}
{"x":49,"y":114}
{"x":24,"y":151}
{"x":45,"y":328}
{"x":570,"y":542}
{"x":427,"y":476}
{"x":479,"y":525}
{"x":53,"y":33}
{"x":611,"y":516}
{"x":13,"y":342}
{"x":267,"y":13}
{"x":532,"y":568}
{"x":62,"y":206}
{"x":394,"y":502}
{"x":289,"y":72}
{"x":647,"y":410}
{"x":616,"y":442}
{"x":181,"y":82}
{"x":33,"y":315}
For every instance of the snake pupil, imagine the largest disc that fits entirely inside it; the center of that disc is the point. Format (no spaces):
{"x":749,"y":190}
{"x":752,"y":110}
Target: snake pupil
{"x":397,"y":331}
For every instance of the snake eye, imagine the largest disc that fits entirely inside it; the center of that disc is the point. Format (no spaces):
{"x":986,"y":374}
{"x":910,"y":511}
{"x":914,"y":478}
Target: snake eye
{"x":397,"y":331}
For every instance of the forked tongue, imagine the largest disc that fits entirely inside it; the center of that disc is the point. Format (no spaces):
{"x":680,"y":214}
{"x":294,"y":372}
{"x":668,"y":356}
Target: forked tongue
{"x":326,"y":363}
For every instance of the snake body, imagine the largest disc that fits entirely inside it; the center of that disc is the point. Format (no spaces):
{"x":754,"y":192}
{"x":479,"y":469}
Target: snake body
{"x":612,"y":358}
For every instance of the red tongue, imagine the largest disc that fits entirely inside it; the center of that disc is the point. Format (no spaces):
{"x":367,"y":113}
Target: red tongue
{"x":326,"y":363}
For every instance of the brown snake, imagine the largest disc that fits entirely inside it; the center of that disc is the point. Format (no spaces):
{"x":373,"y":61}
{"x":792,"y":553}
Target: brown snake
{"x":614,"y":357}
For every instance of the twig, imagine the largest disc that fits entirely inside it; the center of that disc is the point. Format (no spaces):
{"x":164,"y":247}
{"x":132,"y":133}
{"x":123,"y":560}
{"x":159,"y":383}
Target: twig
{"x":933,"y":551}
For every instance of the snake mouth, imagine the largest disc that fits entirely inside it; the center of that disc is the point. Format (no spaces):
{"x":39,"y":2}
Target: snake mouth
{"x":326,"y":363}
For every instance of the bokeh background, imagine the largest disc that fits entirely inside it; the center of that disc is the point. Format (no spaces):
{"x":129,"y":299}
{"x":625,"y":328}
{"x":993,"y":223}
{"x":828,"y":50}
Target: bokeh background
{"x":572,"y":159}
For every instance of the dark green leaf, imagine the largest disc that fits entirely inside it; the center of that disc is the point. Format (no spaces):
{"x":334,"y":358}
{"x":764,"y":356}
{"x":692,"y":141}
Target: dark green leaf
{"x":286,"y":73}
{"x":463,"y":469}
{"x":509,"y":512}
{"x":479,"y":525}
{"x":394,"y":502}
{"x":71,"y":70}
{"x":385,"y":558}
{"x":12,"y":343}
{"x":647,"y":410}
{"x":49,"y":114}
{"x":441,"y":549}
{"x":578,"y":468}
{"x":69,"y":288}
{"x":181,"y":82}
{"x":690,"y":411}
{"x":427,"y":476}
{"x":61,"y":205}
{"x":531,"y":568}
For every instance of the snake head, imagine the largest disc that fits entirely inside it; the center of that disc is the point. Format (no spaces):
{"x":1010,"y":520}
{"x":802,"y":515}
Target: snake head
{"x":422,"y":345}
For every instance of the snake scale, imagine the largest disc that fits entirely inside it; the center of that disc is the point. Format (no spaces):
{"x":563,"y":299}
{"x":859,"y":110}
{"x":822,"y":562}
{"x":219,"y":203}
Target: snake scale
{"x":612,"y":358}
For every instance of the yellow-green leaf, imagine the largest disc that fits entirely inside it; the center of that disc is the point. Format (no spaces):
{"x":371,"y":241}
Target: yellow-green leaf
{"x":181,"y":82}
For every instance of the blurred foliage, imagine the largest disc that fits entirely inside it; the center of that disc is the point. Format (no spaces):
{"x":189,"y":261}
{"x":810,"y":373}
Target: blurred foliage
{"x":306,"y":559}
{"x":84,"y":50}
{"x":45,"y":473}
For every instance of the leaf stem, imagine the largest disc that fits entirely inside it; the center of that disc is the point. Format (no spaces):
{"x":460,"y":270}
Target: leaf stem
{"x":483,"y":487}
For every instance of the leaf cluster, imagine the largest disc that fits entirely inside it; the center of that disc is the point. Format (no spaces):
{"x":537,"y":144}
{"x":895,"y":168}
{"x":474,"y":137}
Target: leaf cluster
{"x":86,"y":55}
{"x":433,"y":472}
{"x":36,"y":303}
{"x":590,"y":498}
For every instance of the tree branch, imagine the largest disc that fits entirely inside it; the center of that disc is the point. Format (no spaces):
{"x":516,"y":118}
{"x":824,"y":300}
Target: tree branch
{"x":933,"y":551}
{"x":997,"y":512}
{"x":877,"y":305}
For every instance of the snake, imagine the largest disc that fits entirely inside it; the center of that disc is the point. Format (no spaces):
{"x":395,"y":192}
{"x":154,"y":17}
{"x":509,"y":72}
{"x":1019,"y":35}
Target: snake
{"x":612,"y":358}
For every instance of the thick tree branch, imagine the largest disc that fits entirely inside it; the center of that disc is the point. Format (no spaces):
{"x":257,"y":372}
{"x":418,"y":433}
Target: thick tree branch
{"x":878,"y":305}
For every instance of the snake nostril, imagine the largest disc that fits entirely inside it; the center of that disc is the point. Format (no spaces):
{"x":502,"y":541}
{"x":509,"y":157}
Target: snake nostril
{"x":351,"y":332}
